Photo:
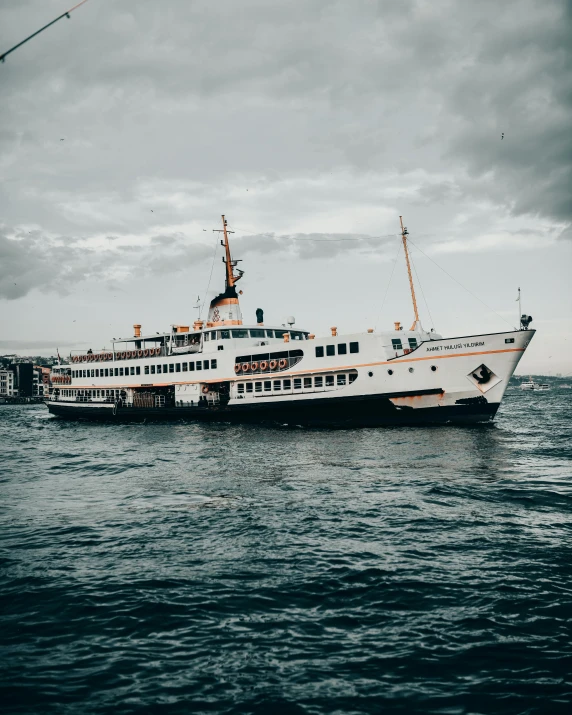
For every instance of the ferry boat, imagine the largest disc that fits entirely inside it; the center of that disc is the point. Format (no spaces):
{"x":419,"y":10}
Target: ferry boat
{"x":531,"y":385}
{"x":227,"y":369}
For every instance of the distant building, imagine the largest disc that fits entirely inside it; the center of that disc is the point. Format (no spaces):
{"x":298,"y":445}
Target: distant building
{"x":23,"y":379}
{"x":7,"y":383}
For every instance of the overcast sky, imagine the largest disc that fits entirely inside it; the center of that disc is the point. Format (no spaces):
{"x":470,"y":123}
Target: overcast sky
{"x":129,"y":129}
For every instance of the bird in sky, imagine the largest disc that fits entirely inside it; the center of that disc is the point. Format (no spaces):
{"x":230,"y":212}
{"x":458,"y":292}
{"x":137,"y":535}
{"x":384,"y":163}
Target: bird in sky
{"x":502,"y":136}
{"x":62,"y":140}
{"x":152,"y":211}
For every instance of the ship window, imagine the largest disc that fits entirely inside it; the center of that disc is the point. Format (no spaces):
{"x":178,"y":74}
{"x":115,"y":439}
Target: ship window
{"x":330,"y":349}
{"x":146,"y":369}
{"x":207,"y":336}
{"x":412,"y":343}
{"x":287,"y":384}
{"x":205,"y":364}
{"x":433,"y":368}
{"x":199,"y":365}
{"x":120,"y":372}
{"x":93,"y":373}
{"x":269,"y":333}
{"x":158,"y":369}
{"x":267,"y":385}
{"x":329,"y":380}
{"x":342,"y":349}
{"x":223,"y":334}
{"x":191,"y":366}
{"x":152,"y":369}
{"x":213,"y":364}
{"x":410,"y":369}
{"x":178,"y":367}
{"x":509,"y":340}
{"x":307,"y":383}
{"x":341,"y":379}
{"x":171,"y":367}
{"x":240,"y":333}
{"x":277,"y":384}
{"x":249,"y":387}
{"x":318,"y":381}
{"x":396,"y":344}
{"x":390,"y":372}
{"x":97,"y":372}
{"x":240,"y":388}
{"x":354,"y":347}
{"x":297,"y":383}
{"x":257,"y":333}
{"x":319,"y":351}
{"x":185,"y":367}
{"x":220,"y":347}
{"x":296,"y":335}
{"x":257,"y":387}
{"x":352,"y":377}
{"x":106,"y":372}
{"x":132,"y":371}
{"x":280,"y":333}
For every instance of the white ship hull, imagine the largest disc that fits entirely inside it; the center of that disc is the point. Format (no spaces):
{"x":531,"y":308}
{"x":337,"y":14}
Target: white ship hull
{"x":441,"y":381}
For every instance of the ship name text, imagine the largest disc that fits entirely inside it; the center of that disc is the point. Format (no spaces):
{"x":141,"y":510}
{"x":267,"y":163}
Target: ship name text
{"x":456,"y":346}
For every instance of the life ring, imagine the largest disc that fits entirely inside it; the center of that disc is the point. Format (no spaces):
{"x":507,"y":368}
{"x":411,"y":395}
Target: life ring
{"x":263,"y":365}
{"x":237,"y":369}
{"x":123,"y":355}
{"x":146,"y":352}
{"x":273,"y":364}
{"x":140,"y":353}
{"x":245,"y":367}
{"x":157,"y":351}
{"x":110,"y":356}
{"x":205,"y":389}
{"x":254,"y":366}
{"x":283,"y":363}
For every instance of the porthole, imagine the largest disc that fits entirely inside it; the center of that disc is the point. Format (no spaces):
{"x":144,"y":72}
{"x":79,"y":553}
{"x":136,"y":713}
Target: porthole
{"x":390,"y":372}
{"x":433,"y":368}
{"x":410,"y":369}
{"x":370,"y":374}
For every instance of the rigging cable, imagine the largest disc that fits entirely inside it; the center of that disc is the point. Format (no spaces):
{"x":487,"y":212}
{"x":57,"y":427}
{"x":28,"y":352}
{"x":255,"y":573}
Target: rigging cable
{"x":422,"y":292}
{"x":210,"y":276}
{"x":387,"y":289}
{"x":45,"y":27}
{"x":488,"y":307}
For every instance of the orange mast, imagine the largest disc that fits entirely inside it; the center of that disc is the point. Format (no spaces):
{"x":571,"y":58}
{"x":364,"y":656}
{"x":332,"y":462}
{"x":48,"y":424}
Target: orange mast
{"x":404,"y":233}
{"x":230,"y":264}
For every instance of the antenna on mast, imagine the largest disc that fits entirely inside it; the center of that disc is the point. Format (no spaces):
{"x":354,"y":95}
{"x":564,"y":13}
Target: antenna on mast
{"x":404,"y":234}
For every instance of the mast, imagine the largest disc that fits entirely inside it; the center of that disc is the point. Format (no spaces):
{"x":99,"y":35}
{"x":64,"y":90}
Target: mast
{"x":404,"y":233}
{"x":228,"y":261}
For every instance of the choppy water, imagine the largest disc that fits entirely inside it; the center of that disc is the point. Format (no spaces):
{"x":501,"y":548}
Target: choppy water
{"x":177,"y":568}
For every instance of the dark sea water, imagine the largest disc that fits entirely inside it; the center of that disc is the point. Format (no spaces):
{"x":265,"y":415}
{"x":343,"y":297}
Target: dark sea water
{"x":182,"y":568}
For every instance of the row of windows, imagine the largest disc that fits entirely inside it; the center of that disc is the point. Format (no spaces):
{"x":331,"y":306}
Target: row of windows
{"x":298,"y":383}
{"x":253,"y":333}
{"x":342,"y":349}
{"x":397,"y":345}
{"x":91,"y":393}
{"x":148,"y":369}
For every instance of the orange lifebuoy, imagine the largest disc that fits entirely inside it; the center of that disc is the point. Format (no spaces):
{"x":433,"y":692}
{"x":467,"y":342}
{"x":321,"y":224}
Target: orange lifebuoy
{"x":254,"y":366}
{"x":245,"y":367}
{"x":237,"y":369}
{"x":205,"y":389}
{"x":146,"y":352}
{"x":263,"y":365}
{"x":140,"y":353}
{"x":283,"y":363}
{"x":123,"y":355}
{"x":273,"y":364}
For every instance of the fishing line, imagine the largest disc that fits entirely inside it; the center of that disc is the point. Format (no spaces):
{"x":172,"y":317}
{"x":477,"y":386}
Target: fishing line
{"x":422,"y":292}
{"x":45,"y":27}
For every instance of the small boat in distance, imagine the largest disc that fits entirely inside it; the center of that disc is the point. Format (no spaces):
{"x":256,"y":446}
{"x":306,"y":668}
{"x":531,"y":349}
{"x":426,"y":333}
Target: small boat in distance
{"x":531,"y":385}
